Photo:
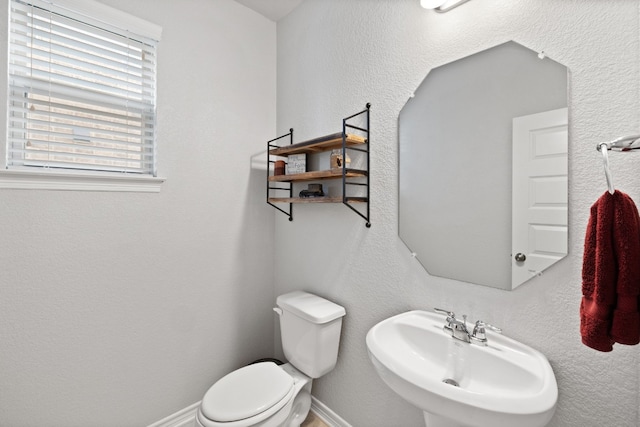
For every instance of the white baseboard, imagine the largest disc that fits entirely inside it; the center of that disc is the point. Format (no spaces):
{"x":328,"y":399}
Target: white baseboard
{"x":183,"y":418}
{"x":327,"y":415}
{"x":187,"y":417}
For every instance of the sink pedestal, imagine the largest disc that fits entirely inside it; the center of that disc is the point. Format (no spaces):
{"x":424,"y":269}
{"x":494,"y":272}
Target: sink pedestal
{"x":437,"y":421}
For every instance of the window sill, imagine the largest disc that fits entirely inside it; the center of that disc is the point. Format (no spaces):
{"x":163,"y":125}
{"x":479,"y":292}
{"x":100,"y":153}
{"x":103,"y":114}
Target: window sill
{"x":29,"y":180}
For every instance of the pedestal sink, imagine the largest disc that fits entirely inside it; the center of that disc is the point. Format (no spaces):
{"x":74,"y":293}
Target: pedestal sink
{"x":459,"y":384}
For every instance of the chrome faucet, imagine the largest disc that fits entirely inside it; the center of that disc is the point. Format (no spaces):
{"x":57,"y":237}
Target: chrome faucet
{"x":454,"y":327}
{"x":458,"y":330}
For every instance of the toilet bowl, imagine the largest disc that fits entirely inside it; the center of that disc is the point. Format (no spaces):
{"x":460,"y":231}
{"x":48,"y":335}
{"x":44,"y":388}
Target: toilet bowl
{"x":267,"y":395}
{"x":259,"y":395}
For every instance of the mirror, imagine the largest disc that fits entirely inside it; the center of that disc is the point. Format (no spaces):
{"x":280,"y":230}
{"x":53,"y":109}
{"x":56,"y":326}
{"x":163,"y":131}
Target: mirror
{"x":483,"y":167}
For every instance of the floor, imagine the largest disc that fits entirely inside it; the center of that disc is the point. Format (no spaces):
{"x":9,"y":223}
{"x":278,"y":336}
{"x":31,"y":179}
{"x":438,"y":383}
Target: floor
{"x":313,"y":421}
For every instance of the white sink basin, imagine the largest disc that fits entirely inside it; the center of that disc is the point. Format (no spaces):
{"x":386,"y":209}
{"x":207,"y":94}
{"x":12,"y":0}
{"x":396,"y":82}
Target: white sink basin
{"x":504,"y":384}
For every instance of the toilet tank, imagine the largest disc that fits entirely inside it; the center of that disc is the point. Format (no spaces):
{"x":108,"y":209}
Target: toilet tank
{"x":310,"y":329}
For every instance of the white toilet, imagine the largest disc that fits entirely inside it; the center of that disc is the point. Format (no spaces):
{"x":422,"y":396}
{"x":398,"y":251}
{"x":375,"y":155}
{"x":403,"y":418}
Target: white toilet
{"x":268,"y":395}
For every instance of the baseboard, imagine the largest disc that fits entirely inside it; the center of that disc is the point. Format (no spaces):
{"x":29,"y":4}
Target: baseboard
{"x":184,"y":418}
{"x":327,"y":415}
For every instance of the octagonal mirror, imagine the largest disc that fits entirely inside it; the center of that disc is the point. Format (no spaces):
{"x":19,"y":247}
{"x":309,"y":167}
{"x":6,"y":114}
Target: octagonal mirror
{"x":483,"y":167}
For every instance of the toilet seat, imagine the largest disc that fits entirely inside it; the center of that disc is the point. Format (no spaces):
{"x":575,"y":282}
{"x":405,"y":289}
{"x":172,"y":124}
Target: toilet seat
{"x":256,"y":391}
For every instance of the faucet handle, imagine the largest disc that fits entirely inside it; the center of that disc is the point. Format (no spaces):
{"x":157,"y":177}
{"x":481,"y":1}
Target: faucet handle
{"x":452,"y":322}
{"x":488,"y":326}
{"x":448,"y":313}
{"x":478,"y":335}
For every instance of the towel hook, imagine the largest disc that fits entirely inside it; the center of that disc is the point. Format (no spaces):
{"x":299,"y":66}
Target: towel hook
{"x":605,"y":161}
{"x":625,"y":143}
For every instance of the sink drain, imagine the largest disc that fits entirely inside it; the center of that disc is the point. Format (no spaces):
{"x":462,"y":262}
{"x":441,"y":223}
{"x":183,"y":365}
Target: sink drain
{"x":451,"y":382}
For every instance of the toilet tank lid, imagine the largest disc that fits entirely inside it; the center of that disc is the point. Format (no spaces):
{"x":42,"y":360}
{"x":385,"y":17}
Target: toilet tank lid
{"x":310,"y":307}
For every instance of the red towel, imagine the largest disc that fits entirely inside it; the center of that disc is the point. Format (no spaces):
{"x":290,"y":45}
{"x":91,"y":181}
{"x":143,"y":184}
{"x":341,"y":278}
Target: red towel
{"x":611,"y":274}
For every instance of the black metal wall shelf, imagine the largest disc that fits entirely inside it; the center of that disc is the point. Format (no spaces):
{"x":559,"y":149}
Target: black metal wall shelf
{"x":358,"y":140}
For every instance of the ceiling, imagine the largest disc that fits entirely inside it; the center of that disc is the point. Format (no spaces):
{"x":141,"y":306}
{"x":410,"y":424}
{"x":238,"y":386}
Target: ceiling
{"x":272,"y":9}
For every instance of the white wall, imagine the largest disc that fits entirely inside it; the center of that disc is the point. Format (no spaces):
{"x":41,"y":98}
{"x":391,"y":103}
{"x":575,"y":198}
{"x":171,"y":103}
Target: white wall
{"x":336,"y":55}
{"x":117,"y":309}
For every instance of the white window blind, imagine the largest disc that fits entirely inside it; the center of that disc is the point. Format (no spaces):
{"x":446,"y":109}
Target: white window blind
{"x":82,"y":90}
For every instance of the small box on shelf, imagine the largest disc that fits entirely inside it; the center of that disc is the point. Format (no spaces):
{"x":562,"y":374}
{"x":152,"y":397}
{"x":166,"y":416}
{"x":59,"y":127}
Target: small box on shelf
{"x":296,"y":163}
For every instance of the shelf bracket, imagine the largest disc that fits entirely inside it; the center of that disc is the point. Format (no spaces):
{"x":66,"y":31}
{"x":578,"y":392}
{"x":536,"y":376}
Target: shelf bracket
{"x":271,"y":144}
{"x":347,"y":125}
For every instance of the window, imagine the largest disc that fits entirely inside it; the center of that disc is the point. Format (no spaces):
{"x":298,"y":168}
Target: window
{"x":82,"y":91}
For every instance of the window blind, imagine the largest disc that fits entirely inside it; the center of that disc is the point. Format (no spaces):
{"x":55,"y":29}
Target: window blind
{"x":82,"y":92}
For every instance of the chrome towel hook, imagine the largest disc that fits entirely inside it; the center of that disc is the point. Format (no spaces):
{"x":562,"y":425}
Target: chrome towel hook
{"x":625,"y":143}
{"x":605,"y":161}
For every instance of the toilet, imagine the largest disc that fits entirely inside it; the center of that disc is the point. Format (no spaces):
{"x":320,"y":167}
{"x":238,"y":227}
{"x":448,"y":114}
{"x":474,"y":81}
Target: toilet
{"x":265,"y":394}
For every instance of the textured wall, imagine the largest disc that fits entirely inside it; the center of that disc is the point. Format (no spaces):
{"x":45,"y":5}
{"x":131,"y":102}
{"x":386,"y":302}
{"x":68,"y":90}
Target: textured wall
{"x":336,"y":55}
{"x":118,"y":309}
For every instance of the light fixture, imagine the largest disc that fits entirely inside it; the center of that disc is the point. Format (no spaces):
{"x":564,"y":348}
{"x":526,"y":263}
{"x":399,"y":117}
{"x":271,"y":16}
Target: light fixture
{"x":441,"y":5}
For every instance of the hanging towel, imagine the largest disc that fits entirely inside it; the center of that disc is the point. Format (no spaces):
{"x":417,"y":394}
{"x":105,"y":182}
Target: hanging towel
{"x":611,"y":274}
{"x":626,"y":316}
